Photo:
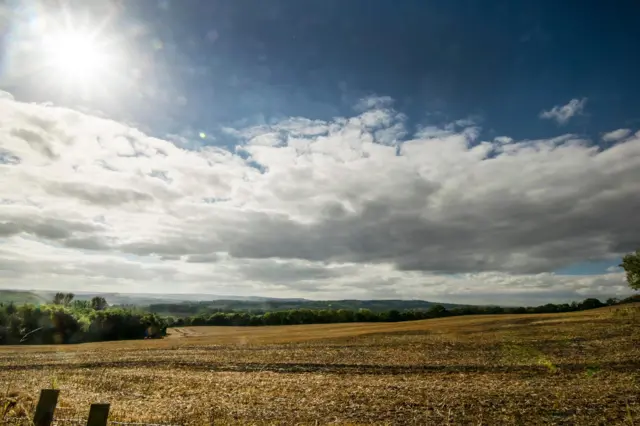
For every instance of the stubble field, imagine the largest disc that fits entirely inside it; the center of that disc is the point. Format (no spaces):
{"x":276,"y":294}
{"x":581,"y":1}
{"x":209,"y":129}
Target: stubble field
{"x":578,"y":368}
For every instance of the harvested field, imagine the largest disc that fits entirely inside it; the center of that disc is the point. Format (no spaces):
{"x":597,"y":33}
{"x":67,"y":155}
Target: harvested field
{"x":579,"y":368}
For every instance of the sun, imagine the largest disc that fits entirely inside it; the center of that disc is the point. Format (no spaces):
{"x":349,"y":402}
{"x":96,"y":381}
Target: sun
{"x":74,"y":54}
{"x":76,"y":58}
{"x":80,"y":52}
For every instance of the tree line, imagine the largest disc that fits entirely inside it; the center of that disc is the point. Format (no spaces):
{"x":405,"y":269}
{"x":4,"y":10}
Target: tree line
{"x":328,"y":316}
{"x":65,"y":320}
{"x":77,"y":321}
{"x":97,"y":303}
{"x":271,"y":305}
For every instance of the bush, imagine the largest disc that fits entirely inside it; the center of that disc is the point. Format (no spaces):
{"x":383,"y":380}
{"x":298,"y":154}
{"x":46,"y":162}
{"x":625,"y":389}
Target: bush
{"x":60,"y":324}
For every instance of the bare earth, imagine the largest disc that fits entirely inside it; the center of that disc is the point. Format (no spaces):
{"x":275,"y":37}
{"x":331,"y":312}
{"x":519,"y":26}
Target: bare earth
{"x":579,"y":368}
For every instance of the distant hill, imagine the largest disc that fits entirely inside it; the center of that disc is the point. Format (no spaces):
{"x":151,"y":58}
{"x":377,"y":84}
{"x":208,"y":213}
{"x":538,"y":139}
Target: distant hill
{"x":271,"y":305}
{"x":21,"y":297}
{"x":189,"y":304}
{"x":136,"y":299}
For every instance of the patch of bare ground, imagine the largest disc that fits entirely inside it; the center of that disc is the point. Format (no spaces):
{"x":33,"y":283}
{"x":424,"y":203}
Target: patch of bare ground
{"x":580,"y":368}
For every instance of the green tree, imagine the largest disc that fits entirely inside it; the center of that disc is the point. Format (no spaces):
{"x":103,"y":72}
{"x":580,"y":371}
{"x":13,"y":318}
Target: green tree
{"x":437,"y":311}
{"x":99,"y":303}
{"x":81,"y":304}
{"x":11,"y":308}
{"x":612,"y":301}
{"x":631,"y":265}
{"x":66,"y":300}
{"x":58,"y":299}
{"x":364,"y":315}
{"x":392,"y":315}
{"x":590,"y":303}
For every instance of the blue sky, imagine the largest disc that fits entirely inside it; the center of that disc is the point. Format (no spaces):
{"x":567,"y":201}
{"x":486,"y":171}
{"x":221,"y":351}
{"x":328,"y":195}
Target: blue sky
{"x":257,"y":80}
{"x":499,"y":60}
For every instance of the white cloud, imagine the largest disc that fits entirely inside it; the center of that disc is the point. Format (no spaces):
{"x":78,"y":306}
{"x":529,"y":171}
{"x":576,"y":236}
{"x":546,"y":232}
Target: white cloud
{"x":561,"y":114}
{"x":503,"y":139}
{"x":616,"y":135}
{"x":322,"y":209}
{"x":27,"y":261}
{"x":373,"y":102}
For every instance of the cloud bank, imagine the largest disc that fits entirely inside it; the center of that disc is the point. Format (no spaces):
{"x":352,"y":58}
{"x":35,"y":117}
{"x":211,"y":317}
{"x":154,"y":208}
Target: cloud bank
{"x":322,"y":209}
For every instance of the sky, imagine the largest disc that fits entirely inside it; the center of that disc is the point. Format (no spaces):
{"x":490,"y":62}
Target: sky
{"x":454,"y":151}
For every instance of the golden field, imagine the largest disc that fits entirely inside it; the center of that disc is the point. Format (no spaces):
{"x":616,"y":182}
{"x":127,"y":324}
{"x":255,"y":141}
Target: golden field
{"x":577,"y":368}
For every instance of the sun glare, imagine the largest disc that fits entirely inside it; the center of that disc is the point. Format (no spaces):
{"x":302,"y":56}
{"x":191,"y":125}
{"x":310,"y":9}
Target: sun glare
{"x":75,"y":56}
{"x":74,"y":52}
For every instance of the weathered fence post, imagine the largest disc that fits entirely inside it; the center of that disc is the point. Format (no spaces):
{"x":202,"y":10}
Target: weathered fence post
{"x":98,"y":415}
{"x":46,"y":407}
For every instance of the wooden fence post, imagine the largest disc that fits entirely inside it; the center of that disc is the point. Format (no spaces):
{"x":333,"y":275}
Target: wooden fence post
{"x":98,"y":415}
{"x":46,"y":407}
